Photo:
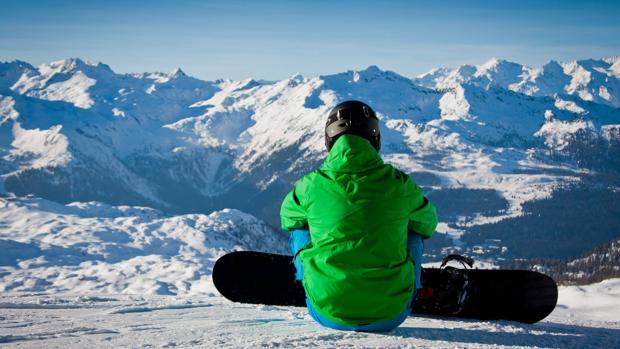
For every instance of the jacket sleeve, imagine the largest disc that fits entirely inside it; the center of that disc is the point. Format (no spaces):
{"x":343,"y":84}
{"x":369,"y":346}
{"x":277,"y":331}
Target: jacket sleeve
{"x":293,"y":214}
{"x":423,"y":216}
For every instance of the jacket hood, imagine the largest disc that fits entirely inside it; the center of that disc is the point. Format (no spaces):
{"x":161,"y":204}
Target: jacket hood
{"x":352,"y":153}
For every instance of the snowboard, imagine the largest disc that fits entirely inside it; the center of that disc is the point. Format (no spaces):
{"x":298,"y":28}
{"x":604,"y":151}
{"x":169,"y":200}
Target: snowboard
{"x":517,"y":295}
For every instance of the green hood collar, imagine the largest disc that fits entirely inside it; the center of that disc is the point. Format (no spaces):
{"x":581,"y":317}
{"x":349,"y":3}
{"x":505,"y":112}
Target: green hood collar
{"x":352,"y":153}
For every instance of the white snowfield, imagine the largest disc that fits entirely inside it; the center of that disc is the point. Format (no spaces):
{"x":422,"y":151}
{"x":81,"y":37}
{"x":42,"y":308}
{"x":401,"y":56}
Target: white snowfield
{"x":96,"y":248}
{"x":90,"y":275}
{"x":134,"y":321}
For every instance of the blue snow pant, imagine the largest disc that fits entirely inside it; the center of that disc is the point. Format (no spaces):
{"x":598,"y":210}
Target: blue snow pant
{"x":300,"y":238}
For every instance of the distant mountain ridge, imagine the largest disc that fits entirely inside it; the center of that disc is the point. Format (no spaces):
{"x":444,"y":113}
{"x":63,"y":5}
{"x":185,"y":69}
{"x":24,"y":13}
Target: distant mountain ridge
{"x":589,"y":79}
{"x":600,"y":264}
{"x":486,"y":142}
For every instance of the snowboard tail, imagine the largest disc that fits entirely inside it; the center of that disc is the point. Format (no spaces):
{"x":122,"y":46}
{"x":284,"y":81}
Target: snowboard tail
{"x":518,"y":295}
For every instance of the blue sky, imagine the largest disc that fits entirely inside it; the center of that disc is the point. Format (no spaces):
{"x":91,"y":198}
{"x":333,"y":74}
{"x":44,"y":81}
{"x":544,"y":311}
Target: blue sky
{"x":275,"y":39}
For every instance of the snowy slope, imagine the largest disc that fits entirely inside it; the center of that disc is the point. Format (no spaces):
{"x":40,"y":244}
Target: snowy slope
{"x":482,"y":140}
{"x":586,"y":317}
{"x":94,"y":275}
{"x":87,"y":248}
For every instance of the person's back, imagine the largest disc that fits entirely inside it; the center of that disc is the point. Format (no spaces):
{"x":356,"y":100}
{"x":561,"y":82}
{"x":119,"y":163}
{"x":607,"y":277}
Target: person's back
{"x":356,"y":268}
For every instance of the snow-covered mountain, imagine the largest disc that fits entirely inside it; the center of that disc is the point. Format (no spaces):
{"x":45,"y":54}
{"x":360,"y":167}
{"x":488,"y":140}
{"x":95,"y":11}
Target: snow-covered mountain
{"x":118,"y":189}
{"x":590,"y":80}
{"x":94,"y":248}
{"x":493,"y":145}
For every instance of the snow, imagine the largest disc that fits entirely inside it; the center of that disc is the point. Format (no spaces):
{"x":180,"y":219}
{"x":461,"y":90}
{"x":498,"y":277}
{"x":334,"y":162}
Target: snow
{"x":158,"y":134}
{"x":89,"y":274}
{"x":590,"y":80}
{"x":595,"y":302}
{"x":614,"y":70}
{"x":73,"y":90}
{"x":569,"y":106}
{"x":96,"y":248}
{"x":123,"y":321}
{"x":118,"y":112}
{"x":41,"y":148}
{"x":558,"y":134}
{"x":580,"y":77}
{"x":454,"y":105}
{"x":120,"y":274}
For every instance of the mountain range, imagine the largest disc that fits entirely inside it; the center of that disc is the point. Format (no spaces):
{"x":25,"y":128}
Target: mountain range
{"x":521,"y":162}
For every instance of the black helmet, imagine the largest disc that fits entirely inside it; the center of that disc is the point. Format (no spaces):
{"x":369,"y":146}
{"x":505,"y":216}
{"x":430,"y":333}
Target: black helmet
{"x":352,"y":117}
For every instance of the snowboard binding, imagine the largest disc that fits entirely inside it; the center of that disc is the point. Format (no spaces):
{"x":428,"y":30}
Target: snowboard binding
{"x":454,"y":290}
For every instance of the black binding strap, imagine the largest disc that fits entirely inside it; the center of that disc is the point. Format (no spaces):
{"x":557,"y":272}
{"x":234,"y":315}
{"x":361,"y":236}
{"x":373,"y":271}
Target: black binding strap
{"x":465,"y":261}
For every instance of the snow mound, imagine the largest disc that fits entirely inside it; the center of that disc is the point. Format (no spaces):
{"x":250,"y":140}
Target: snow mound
{"x":96,"y":248}
{"x":600,"y":301}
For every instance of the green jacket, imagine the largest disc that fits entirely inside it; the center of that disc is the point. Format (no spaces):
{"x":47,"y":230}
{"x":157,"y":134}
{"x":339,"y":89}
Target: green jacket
{"x":357,"y":269}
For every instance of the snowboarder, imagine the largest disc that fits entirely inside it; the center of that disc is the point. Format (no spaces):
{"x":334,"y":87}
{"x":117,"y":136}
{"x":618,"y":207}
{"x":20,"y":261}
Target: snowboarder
{"x":357,"y":228}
